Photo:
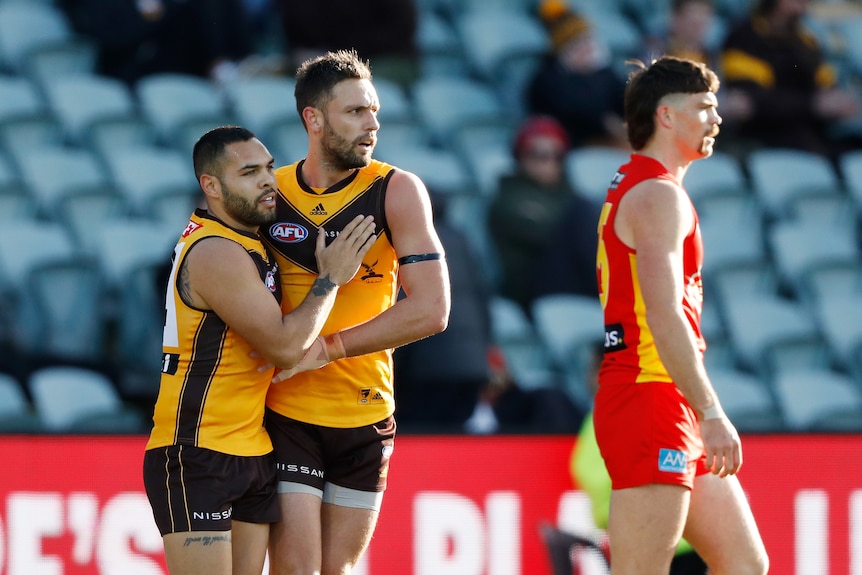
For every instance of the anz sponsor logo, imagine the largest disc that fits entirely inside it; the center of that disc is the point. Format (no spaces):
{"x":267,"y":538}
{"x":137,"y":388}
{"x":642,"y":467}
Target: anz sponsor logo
{"x":672,"y":461}
{"x":615,"y":339}
{"x":287,"y":232}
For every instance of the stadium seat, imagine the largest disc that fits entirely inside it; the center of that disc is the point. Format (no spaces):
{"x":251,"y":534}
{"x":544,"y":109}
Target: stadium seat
{"x":441,"y":170}
{"x":16,"y":412}
{"x":798,"y":247}
{"x":288,"y":143}
{"x":590,"y":169}
{"x":721,"y":173}
{"x":570,"y":327}
{"x":139,"y":331}
{"x":73,"y":399}
{"x":145,"y":173}
{"x":446,"y":105}
{"x":26,"y":245}
{"x":131,"y":243}
{"x":52,"y":173}
{"x":731,"y":246}
{"x":21,"y":135}
{"x":841,"y":280}
{"x":439,"y":46}
{"x":79,"y":101}
{"x":747,"y":400}
{"x":850,"y":165}
{"x":777,"y":175}
{"x":26,"y":26}
{"x":503,"y":47}
{"x":170,"y":100}
{"x":110,"y":134}
{"x":819,"y":400}
{"x":261,"y":102}
{"x":45,"y":64}
{"x":16,"y":202}
{"x":514,"y":333}
{"x":19,"y":97}
{"x":754,"y":323}
{"x":840,"y":318}
{"x":82,"y":214}
{"x":62,"y":311}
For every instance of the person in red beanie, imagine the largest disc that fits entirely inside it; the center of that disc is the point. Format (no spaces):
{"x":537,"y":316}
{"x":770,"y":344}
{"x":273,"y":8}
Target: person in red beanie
{"x":530,"y":203}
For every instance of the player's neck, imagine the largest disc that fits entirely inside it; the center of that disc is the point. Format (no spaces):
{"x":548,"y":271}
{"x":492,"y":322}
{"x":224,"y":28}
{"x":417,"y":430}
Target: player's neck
{"x":318,"y":173}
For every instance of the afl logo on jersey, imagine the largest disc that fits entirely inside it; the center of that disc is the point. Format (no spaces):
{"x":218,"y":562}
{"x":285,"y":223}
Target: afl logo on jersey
{"x":288,"y":233}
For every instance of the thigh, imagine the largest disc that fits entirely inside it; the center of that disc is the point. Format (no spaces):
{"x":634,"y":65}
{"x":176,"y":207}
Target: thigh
{"x":299,"y":455}
{"x":644,"y":527}
{"x":198,"y":553}
{"x":249,"y":542}
{"x":722,"y":528}
{"x":295,"y":542}
{"x":347,"y":532}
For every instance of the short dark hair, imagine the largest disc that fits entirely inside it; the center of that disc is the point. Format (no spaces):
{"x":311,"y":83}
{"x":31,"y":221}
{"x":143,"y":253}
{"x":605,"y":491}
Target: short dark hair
{"x":316,"y":77}
{"x":209,"y":149}
{"x":648,"y":84}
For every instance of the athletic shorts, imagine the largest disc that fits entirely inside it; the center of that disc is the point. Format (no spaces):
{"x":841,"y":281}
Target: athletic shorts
{"x":355,"y":458}
{"x":196,"y":489}
{"x":648,"y":433}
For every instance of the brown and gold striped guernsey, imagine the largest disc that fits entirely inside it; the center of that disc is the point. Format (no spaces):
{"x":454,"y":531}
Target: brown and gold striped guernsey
{"x":350,"y":392}
{"x":211,"y":394}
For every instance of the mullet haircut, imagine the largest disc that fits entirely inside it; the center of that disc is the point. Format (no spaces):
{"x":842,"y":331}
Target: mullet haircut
{"x":209,"y":149}
{"x":647,"y":85}
{"x":316,"y":78}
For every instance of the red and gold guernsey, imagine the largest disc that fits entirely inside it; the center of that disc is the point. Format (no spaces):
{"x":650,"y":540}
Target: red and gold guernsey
{"x":211,"y":393}
{"x":354,"y":391}
{"x":630,"y":353}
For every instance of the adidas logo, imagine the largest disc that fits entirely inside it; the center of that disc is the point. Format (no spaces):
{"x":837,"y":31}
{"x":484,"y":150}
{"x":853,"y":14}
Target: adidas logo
{"x":318,"y":210}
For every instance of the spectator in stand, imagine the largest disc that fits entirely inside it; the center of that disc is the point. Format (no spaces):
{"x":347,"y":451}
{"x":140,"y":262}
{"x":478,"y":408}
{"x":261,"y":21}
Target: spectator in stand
{"x":575,"y":83}
{"x":529,"y":203}
{"x":458,"y":380}
{"x":685,"y":34}
{"x":792,"y":91}
{"x":569,"y":261}
{"x":206,"y":38}
{"x":381,"y":31}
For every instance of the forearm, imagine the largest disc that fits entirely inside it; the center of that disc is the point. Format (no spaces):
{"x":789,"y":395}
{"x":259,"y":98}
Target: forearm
{"x":682,"y":359}
{"x":405,"y":322}
{"x":303,"y":324}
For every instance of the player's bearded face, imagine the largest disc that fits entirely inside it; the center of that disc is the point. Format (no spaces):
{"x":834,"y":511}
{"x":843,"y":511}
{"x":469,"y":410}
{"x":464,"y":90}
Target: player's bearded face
{"x":342,"y":153}
{"x":250,"y":212}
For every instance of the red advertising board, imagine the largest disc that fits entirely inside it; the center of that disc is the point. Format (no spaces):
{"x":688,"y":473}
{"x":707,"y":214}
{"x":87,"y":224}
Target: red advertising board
{"x":455,"y":505}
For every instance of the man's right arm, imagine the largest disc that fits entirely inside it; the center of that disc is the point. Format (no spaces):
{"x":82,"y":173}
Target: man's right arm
{"x":218,"y":274}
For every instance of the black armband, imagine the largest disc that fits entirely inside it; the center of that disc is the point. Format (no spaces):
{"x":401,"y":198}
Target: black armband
{"x":419,"y":258}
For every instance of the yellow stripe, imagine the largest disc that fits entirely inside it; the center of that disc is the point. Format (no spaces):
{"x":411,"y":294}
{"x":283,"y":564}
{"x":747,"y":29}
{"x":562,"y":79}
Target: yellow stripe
{"x":740,"y":66}
{"x":650,"y":366}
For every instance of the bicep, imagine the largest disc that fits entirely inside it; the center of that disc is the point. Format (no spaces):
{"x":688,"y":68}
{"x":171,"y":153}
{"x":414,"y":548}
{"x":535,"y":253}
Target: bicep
{"x":410,"y":220}
{"x":223,"y":278}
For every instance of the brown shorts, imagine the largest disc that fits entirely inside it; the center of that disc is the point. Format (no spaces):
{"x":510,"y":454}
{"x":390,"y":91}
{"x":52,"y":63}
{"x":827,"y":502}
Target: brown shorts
{"x":353,"y":457}
{"x":196,"y":489}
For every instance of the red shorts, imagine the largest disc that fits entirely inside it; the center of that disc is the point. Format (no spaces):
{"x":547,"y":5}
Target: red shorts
{"x":648,"y":433}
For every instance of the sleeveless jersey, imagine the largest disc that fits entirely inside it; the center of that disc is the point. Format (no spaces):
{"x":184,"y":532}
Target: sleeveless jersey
{"x":211,"y":394}
{"x":630,"y":353}
{"x":354,"y":391}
